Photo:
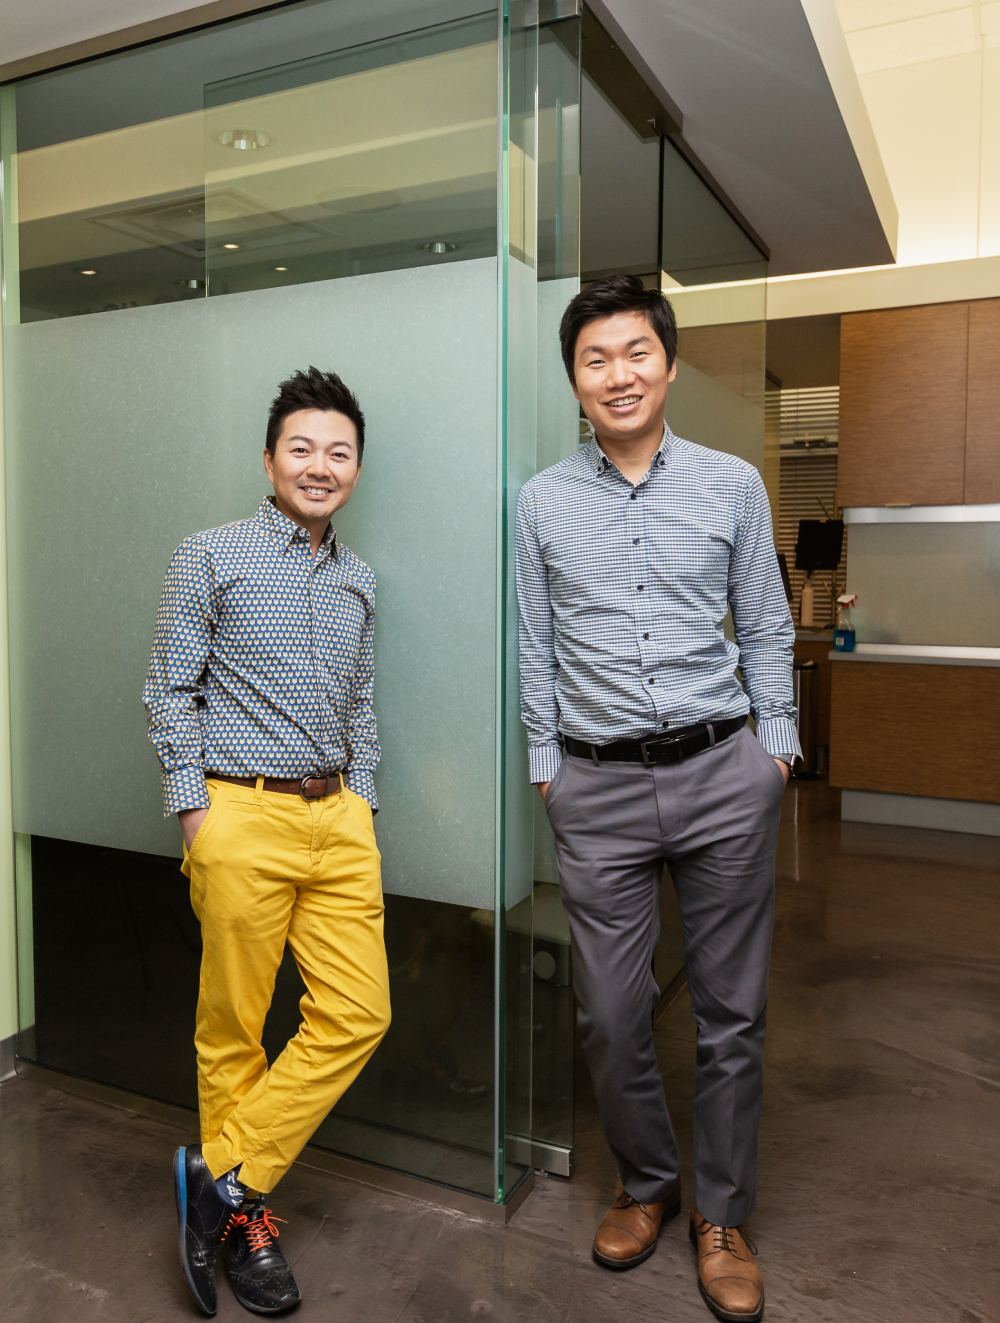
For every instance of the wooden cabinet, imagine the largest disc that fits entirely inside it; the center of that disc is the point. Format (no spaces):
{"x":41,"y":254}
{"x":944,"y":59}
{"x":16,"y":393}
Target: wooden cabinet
{"x":903,"y":387}
{"x":910,"y":729}
{"x":818,"y":650}
{"x":982,"y":433}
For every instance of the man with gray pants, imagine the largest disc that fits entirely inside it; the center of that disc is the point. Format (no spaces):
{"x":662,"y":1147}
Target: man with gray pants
{"x":629,"y":555}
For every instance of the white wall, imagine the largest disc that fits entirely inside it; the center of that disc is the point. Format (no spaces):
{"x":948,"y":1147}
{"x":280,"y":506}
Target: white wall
{"x":926,"y":583}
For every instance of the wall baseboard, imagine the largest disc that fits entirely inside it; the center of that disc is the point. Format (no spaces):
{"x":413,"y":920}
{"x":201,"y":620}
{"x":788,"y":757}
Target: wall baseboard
{"x":920,"y":811}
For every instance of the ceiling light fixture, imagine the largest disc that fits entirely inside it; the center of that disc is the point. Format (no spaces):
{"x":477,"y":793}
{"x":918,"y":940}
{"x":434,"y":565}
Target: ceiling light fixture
{"x":231,"y":246}
{"x":244,"y":140}
{"x":281,"y":268}
{"x":88,"y":271}
{"x":438,"y":247}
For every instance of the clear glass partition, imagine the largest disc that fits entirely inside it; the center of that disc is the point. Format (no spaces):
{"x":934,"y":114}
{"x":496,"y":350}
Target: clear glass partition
{"x":184,"y":225}
{"x":713,"y":271}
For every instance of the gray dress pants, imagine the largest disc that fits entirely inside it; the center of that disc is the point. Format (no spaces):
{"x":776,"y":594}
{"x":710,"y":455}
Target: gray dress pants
{"x":713,"y":819}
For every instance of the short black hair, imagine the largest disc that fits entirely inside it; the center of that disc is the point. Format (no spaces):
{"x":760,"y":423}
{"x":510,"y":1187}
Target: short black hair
{"x":313,"y":389}
{"x":616,"y":294}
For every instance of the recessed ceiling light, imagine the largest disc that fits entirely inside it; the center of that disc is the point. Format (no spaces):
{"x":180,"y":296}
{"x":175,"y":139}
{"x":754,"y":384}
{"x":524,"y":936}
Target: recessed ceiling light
{"x":244,"y":140}
{"x":439,"y":247}
{"x":192,"y":282}
{"x":281,"y":268}
{"x":231,"y":246}
{"x":88,"y":271}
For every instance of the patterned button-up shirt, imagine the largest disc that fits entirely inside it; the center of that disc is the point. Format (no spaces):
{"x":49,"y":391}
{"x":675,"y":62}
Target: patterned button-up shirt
{"x":262,"y":661}
{"x":624,"y":591}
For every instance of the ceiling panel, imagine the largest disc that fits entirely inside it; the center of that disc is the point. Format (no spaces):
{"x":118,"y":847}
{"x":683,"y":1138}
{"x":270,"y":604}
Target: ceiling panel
{"x":872,"y":13}
{"x":936,"y":37}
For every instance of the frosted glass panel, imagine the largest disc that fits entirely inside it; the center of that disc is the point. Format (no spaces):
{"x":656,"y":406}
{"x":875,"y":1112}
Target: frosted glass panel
{"x":129,"y":430}
{"x":926,"y":583}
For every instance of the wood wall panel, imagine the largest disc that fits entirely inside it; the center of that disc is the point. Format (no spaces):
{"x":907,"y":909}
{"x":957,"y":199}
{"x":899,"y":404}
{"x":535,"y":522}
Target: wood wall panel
{"x":902,"y":406}
{"x":982,"y":434}
{"x":907,"y":729}
{"x":818,"y":651}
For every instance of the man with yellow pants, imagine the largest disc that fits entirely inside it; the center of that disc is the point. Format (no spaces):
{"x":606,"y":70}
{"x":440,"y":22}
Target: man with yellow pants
{"x":259,"y":703}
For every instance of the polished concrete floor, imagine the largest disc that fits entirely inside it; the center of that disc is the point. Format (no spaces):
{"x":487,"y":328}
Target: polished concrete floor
{"x":880,"y":1154}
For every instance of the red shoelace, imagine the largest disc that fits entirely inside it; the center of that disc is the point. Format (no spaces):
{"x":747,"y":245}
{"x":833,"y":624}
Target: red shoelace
{"x":260,"y":1230}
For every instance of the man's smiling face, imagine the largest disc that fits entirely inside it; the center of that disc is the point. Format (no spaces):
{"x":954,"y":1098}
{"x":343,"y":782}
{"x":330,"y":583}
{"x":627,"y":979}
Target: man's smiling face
{"x":314,"y":468}
{"x":621,"y":376}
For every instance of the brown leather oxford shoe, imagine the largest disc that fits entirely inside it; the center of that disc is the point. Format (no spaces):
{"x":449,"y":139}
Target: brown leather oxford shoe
{"x":728,"y":1277}
{"x":629,"y":1230}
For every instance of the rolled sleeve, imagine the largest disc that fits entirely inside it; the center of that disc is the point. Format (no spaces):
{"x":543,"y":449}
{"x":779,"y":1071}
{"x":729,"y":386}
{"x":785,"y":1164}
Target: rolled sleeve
{"x":544,"y":761}
{"x":362,"y":782}
{"x":183,"y":788}
{"x":780,"y":738}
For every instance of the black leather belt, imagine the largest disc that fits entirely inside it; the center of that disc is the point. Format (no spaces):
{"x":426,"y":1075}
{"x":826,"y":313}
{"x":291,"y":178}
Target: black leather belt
{"x":658,"y":749}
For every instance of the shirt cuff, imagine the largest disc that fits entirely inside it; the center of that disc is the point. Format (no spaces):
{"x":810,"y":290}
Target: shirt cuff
{"x":362,"y":781}
{"x":544,"y":761}
{"x":184,"y":788}
{"x":780,"y":737}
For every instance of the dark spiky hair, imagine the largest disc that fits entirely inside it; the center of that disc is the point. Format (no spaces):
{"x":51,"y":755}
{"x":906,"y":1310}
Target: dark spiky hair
{"x":616,"y":294}
{"x":313,"y":389}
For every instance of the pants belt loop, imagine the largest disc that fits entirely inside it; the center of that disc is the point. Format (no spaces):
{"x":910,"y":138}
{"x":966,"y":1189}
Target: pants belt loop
{"x":593,"y":756}
{"x":712,"y":740}
{"x":258,"y":790}
{"x":343,"y":785}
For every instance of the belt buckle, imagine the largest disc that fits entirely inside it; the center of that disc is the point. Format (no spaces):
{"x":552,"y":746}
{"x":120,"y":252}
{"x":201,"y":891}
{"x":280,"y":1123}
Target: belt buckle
{"x":312,"y":776}
{"x":664,"y":741}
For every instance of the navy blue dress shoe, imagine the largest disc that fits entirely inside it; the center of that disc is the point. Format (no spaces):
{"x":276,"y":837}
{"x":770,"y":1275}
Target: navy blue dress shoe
{"x":204,"y":1218}
{"x":258,"y":1271}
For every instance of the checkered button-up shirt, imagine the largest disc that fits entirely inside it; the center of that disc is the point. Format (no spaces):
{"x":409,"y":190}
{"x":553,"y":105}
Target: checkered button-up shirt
{"x":262,"y":661}
{"x":624,"y":592}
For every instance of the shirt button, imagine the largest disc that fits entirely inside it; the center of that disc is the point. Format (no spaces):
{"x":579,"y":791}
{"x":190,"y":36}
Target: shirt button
{"x":640,"y":588}
{"x":651,"y":680}
{"x":645,"y":636}
{"x":635,"y":542}
{"x":632,"y":497}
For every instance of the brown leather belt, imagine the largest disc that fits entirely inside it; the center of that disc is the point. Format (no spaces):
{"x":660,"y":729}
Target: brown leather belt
{"x":309,"y":787}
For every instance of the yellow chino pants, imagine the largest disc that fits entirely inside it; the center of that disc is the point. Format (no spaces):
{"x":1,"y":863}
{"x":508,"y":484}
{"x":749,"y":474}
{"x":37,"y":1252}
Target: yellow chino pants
{"x":266,"y":869}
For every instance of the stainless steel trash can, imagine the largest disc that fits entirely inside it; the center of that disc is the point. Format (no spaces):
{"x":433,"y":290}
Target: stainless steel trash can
{"x":806,"y":680}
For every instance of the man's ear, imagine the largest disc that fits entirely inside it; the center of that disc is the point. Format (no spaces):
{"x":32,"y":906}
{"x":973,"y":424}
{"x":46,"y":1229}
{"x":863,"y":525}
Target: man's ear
{"x":673,"y":371}
{"x":268,"y":465}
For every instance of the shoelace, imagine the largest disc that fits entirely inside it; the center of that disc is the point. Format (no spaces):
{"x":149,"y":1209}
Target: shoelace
{"x":625,"y":1200}
{"x":260,"y":1231}
{"x":722,"y":1239}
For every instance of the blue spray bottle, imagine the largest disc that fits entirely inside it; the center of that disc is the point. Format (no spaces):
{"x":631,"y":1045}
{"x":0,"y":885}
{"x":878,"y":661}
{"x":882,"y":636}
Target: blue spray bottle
{"x":843,"y":634}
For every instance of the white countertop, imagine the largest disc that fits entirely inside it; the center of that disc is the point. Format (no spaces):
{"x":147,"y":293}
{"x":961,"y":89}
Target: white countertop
{"x":939,"y":654}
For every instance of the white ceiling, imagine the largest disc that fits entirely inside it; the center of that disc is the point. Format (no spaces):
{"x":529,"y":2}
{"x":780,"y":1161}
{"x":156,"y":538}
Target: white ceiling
{"x":929,"y":72}
{"x":760,"y":113}
{"x":887,"y":34}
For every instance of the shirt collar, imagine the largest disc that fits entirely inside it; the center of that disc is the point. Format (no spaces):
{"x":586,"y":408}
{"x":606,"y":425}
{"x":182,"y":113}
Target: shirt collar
{"x":600,"y":463}
{"x":287,"y":530}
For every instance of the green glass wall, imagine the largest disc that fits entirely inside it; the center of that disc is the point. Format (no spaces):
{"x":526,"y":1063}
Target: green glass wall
{"x":184,"y":225}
